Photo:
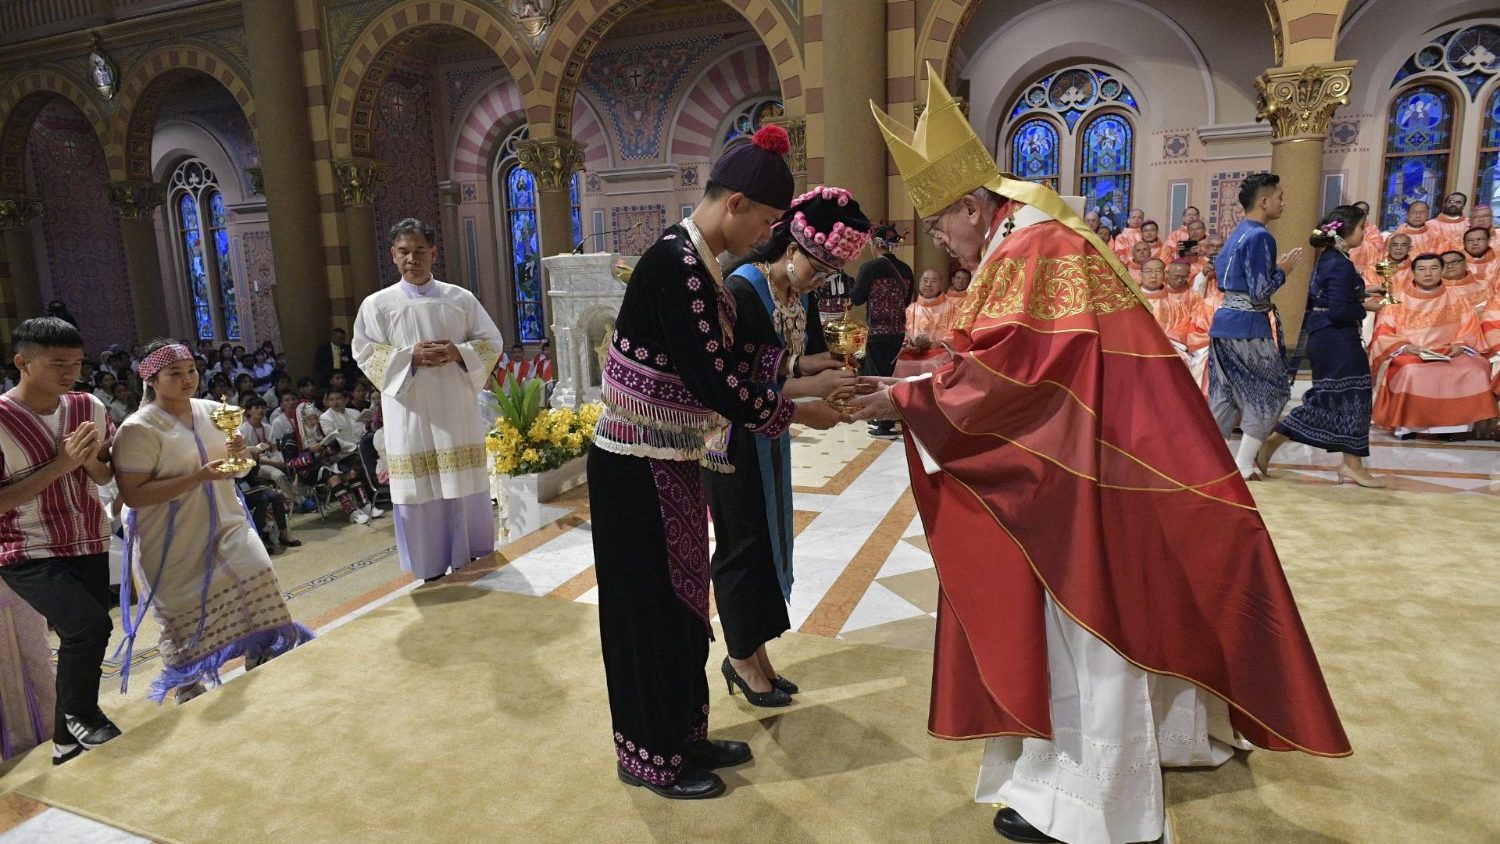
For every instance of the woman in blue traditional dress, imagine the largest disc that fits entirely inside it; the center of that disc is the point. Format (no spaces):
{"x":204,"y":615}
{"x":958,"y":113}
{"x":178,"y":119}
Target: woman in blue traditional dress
{"x":752,"y":506}
{"x":189,"y":541}
{"x":1335,"y":412}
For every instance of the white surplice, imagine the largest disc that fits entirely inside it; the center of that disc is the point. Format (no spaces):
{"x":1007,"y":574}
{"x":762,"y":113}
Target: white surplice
{"x":434,"y":436}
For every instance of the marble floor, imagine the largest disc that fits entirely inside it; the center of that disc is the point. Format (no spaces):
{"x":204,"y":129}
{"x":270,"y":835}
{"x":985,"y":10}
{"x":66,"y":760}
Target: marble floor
{"x":863,"y":571}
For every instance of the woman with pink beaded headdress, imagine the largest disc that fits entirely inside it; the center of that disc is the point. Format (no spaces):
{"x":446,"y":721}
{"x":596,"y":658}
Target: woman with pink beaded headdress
{"x":752,"y":507}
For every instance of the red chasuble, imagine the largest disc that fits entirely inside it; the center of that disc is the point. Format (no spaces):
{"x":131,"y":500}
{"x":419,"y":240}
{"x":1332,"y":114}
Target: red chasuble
{"x":1079,"y":458}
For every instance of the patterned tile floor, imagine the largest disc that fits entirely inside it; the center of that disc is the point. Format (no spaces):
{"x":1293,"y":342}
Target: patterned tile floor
{"x":863,"y":569}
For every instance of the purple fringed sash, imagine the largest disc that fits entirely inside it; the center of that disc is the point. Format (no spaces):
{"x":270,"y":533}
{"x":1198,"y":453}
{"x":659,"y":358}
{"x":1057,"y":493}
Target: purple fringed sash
{"x":684,"y":522}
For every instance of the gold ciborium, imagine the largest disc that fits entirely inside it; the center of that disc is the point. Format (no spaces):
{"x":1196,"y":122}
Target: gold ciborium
{"x":227,"y":418}
{"x":1386,"y":268}
{"x":846,"y":337}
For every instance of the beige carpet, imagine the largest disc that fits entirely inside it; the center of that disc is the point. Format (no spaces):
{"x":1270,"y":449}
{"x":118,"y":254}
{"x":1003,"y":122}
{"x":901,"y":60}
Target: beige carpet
{"x":1401,"y":594}
{"x":459,"y":714}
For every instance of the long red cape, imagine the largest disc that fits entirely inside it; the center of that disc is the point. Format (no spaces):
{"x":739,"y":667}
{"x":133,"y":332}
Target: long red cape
{"x":1078,"y":457}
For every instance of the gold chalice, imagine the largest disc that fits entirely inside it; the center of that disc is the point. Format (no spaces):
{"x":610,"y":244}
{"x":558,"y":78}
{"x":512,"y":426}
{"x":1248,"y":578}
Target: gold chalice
{"x":846,"y":337}
{"x":227,"y":418}
{"x":621,"y":271}
{"x":1386,"y":268}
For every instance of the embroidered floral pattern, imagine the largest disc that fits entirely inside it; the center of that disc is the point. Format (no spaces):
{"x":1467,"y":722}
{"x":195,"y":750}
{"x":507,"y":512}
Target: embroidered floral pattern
{"x":684,"y":508}
{"x":888,"y":305}
{"x":645,"y":765}
{"x":424,"y":463}
{"x":1060,"y":288}
{"x":379,"y":362}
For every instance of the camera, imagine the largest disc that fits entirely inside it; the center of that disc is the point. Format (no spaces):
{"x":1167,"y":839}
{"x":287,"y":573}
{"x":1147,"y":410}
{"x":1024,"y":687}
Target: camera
{"x":1186,"y":247}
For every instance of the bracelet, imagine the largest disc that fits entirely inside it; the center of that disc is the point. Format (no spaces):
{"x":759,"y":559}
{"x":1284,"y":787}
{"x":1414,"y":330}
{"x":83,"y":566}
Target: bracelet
{"x":796,"y":366}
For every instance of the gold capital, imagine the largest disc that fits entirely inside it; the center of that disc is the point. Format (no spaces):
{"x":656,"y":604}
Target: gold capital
{"x":135,"y":200}
{"x":359,"y":180}
{"x":552,"y":162}
{"x":17,"y":212}
{"x":1300,"y":101}
{"x":796,"y":132}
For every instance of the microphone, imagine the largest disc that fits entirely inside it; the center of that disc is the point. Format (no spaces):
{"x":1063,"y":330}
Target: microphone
{"x":578,"y":247}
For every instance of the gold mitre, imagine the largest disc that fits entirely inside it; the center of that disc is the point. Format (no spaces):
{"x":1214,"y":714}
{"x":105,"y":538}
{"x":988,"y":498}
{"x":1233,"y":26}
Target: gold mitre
{"x":942,"y":159}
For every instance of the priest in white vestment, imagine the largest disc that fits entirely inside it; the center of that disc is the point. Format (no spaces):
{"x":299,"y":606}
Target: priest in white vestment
{"x":429,"y":348}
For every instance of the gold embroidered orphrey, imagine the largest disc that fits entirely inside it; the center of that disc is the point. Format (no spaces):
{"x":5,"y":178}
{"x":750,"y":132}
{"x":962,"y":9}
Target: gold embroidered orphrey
{"x":456,"y":459}
{"x":1064,"y":287}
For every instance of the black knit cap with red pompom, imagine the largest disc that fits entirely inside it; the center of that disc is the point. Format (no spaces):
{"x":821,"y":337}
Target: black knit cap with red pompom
{"x":759,"y":169}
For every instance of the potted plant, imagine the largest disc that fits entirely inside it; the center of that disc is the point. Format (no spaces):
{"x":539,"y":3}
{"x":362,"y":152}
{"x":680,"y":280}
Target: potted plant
{"x":536,"y":451}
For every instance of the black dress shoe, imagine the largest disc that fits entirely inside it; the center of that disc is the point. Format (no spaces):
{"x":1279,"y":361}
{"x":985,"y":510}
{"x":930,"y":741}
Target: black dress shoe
{"x":715,"y":753}
{"x":1010,"y":824}
{"x":692,"y":784}
{"x":785,"y":685}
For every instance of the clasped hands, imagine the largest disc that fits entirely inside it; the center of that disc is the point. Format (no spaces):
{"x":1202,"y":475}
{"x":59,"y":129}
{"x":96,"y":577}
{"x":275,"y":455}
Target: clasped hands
{"x":430,"y":353}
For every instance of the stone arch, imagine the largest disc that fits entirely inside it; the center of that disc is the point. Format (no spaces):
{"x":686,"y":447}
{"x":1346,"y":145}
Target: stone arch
{"x":351,"y":114}
{"x":564,"y":60}
{"x":497,"y":112}
{"x":742,"y":73}
{"x":938,"y":37}
{"x":588,"y":129}
{"x":141,"y":95}
{"x":20,"y":100}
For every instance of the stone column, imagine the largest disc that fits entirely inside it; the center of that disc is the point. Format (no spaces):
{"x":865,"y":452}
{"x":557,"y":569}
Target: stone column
{"x":360,"y":181}
{"x":854,"y":155}
{"x":796,"y":130}
{"x":553,"y":163}
{"x":1299,"y":102}
{"x":137,"y":202}
{"x":288,"y":178}
{"x":23,"y":290}
{"x":452,"y":234}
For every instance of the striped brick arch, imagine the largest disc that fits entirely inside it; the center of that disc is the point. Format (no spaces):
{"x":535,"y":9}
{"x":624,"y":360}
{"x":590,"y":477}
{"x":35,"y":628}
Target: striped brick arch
{"x":352,"y":115}
{"x":141,"y":95}
{"x":495,"y":114}
{"x":21,"y":98}
{"x":938,"y":38}
{"x":586,"y":23}
{"x":738,"y":76}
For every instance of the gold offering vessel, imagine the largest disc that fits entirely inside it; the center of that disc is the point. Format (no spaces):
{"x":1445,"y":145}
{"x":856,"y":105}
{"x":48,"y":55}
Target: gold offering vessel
{"x":846,"y":337}
{"x":621,"y":271}
{"x":1387,"y":268}
{"x":227,"y":418}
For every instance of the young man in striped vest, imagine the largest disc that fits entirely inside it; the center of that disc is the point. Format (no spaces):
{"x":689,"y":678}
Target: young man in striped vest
{"x":54,"y":533}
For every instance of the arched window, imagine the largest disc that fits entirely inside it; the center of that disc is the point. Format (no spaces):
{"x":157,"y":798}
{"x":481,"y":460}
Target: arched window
{"x":1487,"y":191}
{"x":750,"y":119}
{"x":1034,"y":151}
{"x":1418,"y":150}
{"x":523,"y":237}
{"x":202,"y":230}
{"x":1105,"y":167}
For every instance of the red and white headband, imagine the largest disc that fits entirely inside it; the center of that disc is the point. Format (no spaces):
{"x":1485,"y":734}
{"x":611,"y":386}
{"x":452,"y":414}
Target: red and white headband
{"x":161,"y":358}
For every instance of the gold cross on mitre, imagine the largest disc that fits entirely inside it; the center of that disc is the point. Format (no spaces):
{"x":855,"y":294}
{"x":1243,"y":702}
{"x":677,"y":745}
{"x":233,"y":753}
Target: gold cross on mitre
{"x":942,"y":159}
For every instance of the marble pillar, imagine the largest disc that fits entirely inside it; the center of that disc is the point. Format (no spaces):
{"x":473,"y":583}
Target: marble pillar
{"x":360,"y":181}
{"x":852,"y":77}
{"x":796,"y":131}
{"x":1299,"y":102}
{"x":137,"y":202}
{"x":288,"y":177}
{"x":22,"y":293}
{"x":552,"y":162}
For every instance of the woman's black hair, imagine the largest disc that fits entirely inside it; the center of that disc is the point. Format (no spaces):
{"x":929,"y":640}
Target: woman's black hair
{"x":1348,"y":217}
{"x":771,"y":250}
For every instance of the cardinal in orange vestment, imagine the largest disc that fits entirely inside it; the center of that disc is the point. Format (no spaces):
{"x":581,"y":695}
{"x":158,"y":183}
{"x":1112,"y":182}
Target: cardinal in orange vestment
{"x":1076,"y":546}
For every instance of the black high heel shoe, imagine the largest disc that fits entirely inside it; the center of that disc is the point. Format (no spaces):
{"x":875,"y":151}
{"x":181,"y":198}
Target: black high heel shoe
{"x":732,"y":678}
{"x":784,"y":684}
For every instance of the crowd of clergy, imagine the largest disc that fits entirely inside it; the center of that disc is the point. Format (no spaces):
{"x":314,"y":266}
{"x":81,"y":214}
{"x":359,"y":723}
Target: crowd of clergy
{"x":1446,"y":315}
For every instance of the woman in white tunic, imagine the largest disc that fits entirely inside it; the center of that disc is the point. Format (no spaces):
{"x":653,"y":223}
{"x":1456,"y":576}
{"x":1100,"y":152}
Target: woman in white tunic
{"x":196,"y":558}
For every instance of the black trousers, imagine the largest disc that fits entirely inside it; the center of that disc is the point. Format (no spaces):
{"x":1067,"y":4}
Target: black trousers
{"x":746,"y":588}
{"x":73,"y":594}
{"x":654,"y":646}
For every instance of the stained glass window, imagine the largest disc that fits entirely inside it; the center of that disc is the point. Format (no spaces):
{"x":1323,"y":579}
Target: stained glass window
{"x":197,"y":271}
{"x":203,"y":227}
{"x":219,"y":227}
{"x":750,"y":119}
{"x":1487,"y":192}
{"x":1034,"y":152}
{"x":1106,"y":165}
{"x":577,"y":216}
{"x":525,"y":251}
{"x":1418,"y":146}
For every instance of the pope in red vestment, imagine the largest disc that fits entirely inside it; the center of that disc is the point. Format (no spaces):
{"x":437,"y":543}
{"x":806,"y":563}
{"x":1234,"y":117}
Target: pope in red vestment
{"x":1048,"y":484}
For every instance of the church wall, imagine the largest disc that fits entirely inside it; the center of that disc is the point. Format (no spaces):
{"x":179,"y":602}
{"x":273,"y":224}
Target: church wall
{"x":404,"y":143}
{"x":83,"y":261}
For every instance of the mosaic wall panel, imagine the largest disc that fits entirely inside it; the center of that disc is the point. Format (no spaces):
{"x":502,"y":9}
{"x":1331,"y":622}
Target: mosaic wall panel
{"x":1224,"y":211}
{"x":403,"y":127}
{"x":258,"y":301}
{"x":85,"y":244}
{"x":636,"y":85}
{"x":653,"y":219}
